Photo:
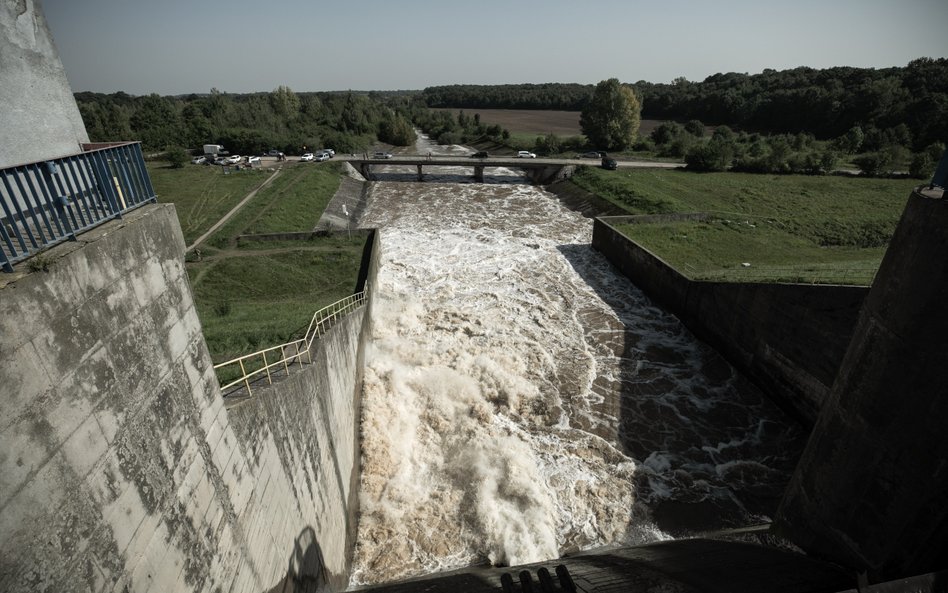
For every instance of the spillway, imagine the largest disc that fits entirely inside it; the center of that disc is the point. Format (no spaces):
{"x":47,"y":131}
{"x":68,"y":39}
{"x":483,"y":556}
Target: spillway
{"x":523,"y":400}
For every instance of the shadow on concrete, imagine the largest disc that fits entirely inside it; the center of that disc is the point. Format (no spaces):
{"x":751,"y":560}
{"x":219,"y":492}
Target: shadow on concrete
{"x":305,"y":571}
{"x":682,"y":566}
{"x":713,"y":453}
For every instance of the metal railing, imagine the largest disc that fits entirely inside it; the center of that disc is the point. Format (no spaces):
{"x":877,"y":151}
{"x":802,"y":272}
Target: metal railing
{"x":253,"y":367}
{"x":47,"y":202}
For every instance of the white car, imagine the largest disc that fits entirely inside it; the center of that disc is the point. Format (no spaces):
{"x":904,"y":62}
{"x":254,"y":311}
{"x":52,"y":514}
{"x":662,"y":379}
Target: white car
{"x":233,"y":160}
{"x":307,"y":157}
{"x":526,"y":154}
{"x":199,"y":160}
{"x":253,"y":159}
{"x":382,"y":155}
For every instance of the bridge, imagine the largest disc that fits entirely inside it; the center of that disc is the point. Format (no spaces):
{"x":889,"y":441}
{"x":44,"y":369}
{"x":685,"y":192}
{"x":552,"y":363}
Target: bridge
{"x":539,"y":170}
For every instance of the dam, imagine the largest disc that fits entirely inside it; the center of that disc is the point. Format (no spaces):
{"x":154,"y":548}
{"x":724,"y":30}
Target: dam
{"x":505,"y":402}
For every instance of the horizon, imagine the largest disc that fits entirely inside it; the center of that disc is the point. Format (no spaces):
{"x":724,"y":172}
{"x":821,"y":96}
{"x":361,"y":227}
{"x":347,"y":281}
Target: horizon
{"x":418,"y":90}
{"x":182,"y":48}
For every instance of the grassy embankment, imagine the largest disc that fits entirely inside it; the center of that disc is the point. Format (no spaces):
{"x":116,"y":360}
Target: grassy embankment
{"x":260,"y":294}
{"x":792,"y":228}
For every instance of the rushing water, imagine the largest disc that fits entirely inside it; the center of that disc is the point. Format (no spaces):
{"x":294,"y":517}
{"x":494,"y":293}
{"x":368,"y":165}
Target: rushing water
{"x":523,"y":400}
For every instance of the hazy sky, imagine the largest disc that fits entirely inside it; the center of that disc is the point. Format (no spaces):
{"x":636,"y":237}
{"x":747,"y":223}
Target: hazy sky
{"x":183,"y":46}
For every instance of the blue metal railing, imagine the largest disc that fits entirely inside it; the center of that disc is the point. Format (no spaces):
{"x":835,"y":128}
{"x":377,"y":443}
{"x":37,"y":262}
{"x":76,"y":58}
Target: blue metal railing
{"x":52,"y":201}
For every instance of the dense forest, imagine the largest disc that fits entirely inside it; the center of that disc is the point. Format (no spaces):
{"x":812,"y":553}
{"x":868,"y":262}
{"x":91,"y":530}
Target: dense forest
{"x":907,"y":106}
{"x":250,"y":123}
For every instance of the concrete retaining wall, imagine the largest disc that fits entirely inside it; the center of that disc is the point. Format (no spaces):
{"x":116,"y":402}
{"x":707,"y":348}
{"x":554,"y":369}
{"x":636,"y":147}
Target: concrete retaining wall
{"x":870,"y":489}
{"x":788,"y":338}
{"x":121,"y":468}
{"x":39,"y":119}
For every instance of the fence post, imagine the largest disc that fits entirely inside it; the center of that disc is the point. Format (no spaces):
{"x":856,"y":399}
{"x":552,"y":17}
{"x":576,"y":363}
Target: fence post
{"x":243,"y":372}
{"x":267,"y":368}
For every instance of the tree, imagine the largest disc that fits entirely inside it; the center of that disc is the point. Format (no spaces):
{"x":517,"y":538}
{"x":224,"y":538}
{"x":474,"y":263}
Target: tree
{"x":611,"y":118}
{"x":176,"y":157}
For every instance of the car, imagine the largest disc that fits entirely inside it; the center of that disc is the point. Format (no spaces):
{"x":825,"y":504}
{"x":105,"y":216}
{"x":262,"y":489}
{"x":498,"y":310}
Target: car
{"x":199,"y":160}
{"x":233,"y":159}
{"x":253,"y":159}
{"x":592,"y":154}
{"x":308,"y":157}
{"x":329,"y":151}
{"x":482,"y":154}
{"x":382,"y":155}
{"x":220,"y":160}
{"x":322,"y":156}
{"x":526,"y":154}
{"x":609,"y":164}
{"x":272,"y":152}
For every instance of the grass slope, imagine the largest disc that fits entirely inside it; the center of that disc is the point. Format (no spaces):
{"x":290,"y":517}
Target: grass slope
{"x":261,"y":294}
{"x":202,"y":194}
{"x":788,"y":227}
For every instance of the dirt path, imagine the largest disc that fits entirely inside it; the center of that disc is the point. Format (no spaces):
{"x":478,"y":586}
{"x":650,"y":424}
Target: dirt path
{"x":233,"y":211}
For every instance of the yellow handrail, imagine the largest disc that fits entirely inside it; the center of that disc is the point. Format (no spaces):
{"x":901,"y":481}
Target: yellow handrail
{"x":320,"y":324}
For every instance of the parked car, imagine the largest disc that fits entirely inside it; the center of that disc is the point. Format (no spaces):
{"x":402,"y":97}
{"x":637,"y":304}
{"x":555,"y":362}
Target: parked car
{"x":233,"y":159}
{"x":329,"y":151}
{"x":526,"y":154}
{"x":609,"y":164}
{"x":382,"y":155}
{"x":482,"y":154}
{"x":199,"y":160}
{"x":322,"y":156}
{"x":253,"y":159}
{"x":592,"y":154}
{"x":220,"y":160}
{"x":273,"y":152}
{"x":308,"y":156}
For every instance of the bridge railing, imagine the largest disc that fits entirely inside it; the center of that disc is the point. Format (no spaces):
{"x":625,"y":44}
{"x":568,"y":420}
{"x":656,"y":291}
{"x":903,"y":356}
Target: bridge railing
{"x":244,"y":371}
{"x":47,"y":202}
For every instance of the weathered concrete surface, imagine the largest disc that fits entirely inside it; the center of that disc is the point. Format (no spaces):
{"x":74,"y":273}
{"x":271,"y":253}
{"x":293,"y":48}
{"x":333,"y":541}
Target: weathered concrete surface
{"x":39,"y":118}
{"x":870,"y":490}
{"x":121,"y":469}
{"x":787,"y":338}
{"x":677,"y":566}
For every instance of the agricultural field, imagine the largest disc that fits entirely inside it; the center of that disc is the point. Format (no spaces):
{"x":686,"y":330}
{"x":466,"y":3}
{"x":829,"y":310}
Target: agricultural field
{"x":830,"y":229}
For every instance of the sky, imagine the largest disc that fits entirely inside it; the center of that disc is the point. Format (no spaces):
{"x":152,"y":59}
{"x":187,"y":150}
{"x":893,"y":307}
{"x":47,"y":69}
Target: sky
{"x":174,"y":47}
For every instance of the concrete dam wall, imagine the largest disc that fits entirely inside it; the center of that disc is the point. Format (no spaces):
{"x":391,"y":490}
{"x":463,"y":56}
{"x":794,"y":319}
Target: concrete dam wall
{"x":121,"y":468}
{"x":788,"y":338}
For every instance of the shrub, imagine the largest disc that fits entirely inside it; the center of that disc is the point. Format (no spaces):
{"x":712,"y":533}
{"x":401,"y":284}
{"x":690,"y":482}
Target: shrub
{"x":176,"y":156}
{"x":922,"y":166}
{"x":873,"y":164}
{"x":712,"y":156}
{"x":695,"y":128}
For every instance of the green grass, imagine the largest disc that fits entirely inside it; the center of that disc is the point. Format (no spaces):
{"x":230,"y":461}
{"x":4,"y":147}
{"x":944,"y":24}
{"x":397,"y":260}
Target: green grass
{"x":788,"y":228}
{"x":201,"y":194}
{"x":264,"y":293}
{"x":294,"y":201}
{"x":253,"y":301}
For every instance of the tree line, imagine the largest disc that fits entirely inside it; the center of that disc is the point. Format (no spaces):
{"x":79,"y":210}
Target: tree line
{"x":907,"y":105}
{"x":250,"y":123}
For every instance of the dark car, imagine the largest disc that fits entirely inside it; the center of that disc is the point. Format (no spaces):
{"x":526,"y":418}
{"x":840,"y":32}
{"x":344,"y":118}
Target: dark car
{"x":610,"y":164}
{"x":479,"y":155}
{"x":592,"y":154}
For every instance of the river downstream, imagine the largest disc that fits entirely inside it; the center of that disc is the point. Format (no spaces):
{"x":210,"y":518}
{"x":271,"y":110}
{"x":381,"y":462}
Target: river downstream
{"x":523,"y":400}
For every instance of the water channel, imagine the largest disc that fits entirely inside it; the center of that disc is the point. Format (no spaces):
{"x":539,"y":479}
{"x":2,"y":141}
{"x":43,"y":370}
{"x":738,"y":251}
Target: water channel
{"x":523,"y":399}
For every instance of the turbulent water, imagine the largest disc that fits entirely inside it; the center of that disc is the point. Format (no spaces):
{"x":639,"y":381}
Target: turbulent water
{"x":523,"y":400}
